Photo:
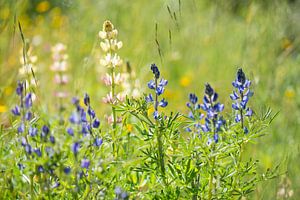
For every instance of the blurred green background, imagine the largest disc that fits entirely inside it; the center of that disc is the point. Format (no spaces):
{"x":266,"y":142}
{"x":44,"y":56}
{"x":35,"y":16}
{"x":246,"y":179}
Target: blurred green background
{"x":199,"y":41}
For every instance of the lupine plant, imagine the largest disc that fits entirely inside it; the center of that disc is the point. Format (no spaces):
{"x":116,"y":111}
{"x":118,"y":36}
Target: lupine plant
{"x":197,"y":154}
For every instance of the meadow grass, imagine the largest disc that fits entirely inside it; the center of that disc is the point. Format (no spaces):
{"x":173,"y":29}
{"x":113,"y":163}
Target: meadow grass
{"x":192,"y":42}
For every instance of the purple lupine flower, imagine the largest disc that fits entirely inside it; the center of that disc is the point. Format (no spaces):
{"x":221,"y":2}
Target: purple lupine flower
{"x":52,"y":139}
{"x":23,"y":141}
{"x":55,"y":185}
{"x":67,"y":170}
{"x":70,"y":131}
{"x":40,"y":169}
{"x":28,"y":148}
{"x":162,"y":82}
{"x":96,"y":123}
{"x":155,"y":114}
{"x":155,"y":71}
{"x":83,"y":116}
{"x":32,"y":131}
{"x":28,"y":115}
{"x":20,"y":88}
{"x":75,"y":101}
{"x":28,"y":100}
{"x":159,"y":89}
{"x":85,"y":128}
{"x":149,"y":98}
{"x":98,"y":142}
{"x":50,"y":151}
{"x":151,"y":84}
{"x":16,"y":111}
{"x":38,"y":152}
{"x":45,"y":129}
{"x":74,"y":118}
{"x":216,"y":137}
{"x":85,"y":163}
{"x":163,"y":103}
{"x":240,"y":96}
{"x":91,"y":112}
{"x":21,"y":128}
{"x":86,"y":99}
{"x":75,"y":147}
{"x":21,"y":166}
{"x":213,"y":120}
{"x":193,"y":98}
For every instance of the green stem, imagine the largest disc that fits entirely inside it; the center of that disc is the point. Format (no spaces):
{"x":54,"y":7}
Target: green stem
{"x":211,"y":185}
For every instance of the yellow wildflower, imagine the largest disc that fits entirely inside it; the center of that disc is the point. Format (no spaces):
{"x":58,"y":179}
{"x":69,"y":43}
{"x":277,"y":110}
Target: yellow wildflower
{"x":185,"y":81}
{"x":3,"y":108}
{"x":43,"y":6}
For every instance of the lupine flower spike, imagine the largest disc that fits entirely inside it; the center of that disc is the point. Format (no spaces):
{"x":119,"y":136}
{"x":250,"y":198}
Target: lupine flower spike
{"x":159,"y":88}
{"x":213,"y":121}
{"x":110,"y":45}
{"x":240,"y":96}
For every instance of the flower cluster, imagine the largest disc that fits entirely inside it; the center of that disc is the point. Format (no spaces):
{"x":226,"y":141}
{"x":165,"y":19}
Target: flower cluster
{"x":111,"y":60}
{"x":24,"y":109}
{"x":159,"y":88}
{"x":240,"y":96}
{"x":60,"y":66}
{"x":194,"y":113}
{"x":213,"y":121}
{"x":120,"y":194}
{"x":79,"y":118}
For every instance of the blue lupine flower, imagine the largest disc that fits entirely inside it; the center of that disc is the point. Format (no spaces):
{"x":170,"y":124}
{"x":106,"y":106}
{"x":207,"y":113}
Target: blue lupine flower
{"x":118,"y":190}
{"x":241,"y":97}
{"x":155,"y":114}
{"x":163,"y":103}
{"x":70,"y":131}
{"x":21,"y":166}
{"x":85,"y":163}
{"x":21,"y":128}
{"x":40,"y":169}
{"x":162,"y":82}
{"x":45,"y":129}
{"x":124,"y":195}
{"x":246,"y":131}
{"x":83,"y":116}
{"x":155,"y":70}
{"x":98,"y":142}
{"x":16,"y":111}
{"x":75,"y":147}
{"x":96,"y":123}
{"x":91,"y":112}
{"x":149,"y":98}
{"x":28,"y":100}
{"x":74,"y":118}
{"x":193,"y":98}
{"x":50,"y":151}
{"x":32,"y":131}
{"x":52,"y":139}
{"x":23,"y":141}
{"x":28,"y":115}
{"x":55,"y":185}
{"x":213,"y":121}
{"x":151,"y":84}
{"x":38,"y":152}
{"x":85,"y":129}
{"x":28,"y":148}
{"x":67,"y":170}
{"x":75,"y":101}
{"x":20,"y":88}
{"x":86,"y":99}
{"x":216,"y":137}
{"x":159,"y":90}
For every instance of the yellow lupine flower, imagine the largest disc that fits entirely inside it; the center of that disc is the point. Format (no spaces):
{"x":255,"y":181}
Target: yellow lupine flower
{"x":43,"y":6}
